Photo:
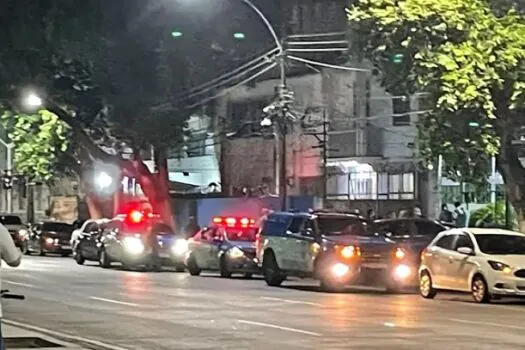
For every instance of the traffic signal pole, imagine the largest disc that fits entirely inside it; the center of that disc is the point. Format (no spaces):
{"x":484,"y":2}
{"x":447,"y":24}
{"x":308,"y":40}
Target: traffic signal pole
{"x":9,"y":192}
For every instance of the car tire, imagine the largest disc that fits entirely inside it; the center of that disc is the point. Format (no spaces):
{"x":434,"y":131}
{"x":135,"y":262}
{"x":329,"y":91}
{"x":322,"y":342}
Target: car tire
{"x":193,"y":268}
{"x":426,"y":290}
{"x":272,"y":274}
{"x":479,"y":290}
{"x":103,"y":259}
{"x":180,"y":268}
{"x":223,"y":267}
{"x":79,"y":258}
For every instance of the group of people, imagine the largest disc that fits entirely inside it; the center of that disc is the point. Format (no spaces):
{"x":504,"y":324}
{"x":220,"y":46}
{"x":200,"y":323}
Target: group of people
{"x":458,"y":216}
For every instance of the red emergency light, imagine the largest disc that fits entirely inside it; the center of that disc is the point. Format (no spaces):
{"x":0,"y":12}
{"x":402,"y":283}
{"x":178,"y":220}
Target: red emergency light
{"x":233,"y":222}
{"x":137,"y":216}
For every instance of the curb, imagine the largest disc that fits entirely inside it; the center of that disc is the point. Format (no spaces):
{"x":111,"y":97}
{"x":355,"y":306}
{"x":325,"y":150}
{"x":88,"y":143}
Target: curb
{"x":85,"y":342}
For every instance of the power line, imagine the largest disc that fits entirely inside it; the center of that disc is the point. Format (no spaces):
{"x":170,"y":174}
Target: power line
{"x":327,"y":65}
{"x":227,"y":90}
{"x":313,"y":35}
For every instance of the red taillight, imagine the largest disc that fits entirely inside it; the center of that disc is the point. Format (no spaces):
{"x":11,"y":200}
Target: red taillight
{"x":135,"y":217}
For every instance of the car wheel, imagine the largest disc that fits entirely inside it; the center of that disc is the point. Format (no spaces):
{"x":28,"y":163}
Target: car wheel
{"x":103,"y":259}
{"x":180,"y":268}
{"x":425,"y":286}
{"x":480,"y":292}
{"x":225,"y":273}
{"x":78,"y":257}
{"x":272,"y":274}
{"x":193,"y":268}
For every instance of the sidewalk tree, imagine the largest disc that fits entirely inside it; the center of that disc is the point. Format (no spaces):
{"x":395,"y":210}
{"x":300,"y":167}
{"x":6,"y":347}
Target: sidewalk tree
{"x":469,"y":57}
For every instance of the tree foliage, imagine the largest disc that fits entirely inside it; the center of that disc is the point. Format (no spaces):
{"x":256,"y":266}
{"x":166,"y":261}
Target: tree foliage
{"x":40,"y":141}
{"x":467,"y":58}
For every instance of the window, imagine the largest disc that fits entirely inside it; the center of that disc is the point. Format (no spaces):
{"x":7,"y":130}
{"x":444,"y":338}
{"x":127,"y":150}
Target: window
{"x":196,"y":144}
{"x":10,"y":220}
{"x":401,"y":186}
{"x":463,"y":241}
{"x":243,"y":112}
{"x":428,"y":228}
{"x":401,"y":111}
{"x":446,"y":242}
{"x":296,"y":225}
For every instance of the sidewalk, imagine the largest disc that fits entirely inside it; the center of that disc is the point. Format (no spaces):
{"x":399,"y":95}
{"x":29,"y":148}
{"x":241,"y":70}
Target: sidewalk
{"x":21,"y":339}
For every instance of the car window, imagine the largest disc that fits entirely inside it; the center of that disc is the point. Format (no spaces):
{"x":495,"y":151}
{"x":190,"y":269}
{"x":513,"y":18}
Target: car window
{"x":276,"y":225}
{"x":10,"y":220}
{"x":344,"y":225}
{"x":91,"y":227}
{"x":57,"y":227}
{"x":463,"y":241}
{"x":160,"y":229}
{"x":446,"y":242}
{"x":428,"y":228}
{"x":296,"y":225}
{"x":209,"y":234}
{"x":497,"y":244}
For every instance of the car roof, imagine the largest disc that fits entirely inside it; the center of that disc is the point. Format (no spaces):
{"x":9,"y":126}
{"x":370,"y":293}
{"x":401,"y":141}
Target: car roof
{"x":492,"y":231}
{"x":383,"y":221}
{"x":320,"y":214}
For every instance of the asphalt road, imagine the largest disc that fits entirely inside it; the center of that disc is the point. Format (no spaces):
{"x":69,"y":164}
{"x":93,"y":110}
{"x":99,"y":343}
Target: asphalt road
{"x":168,"y":310}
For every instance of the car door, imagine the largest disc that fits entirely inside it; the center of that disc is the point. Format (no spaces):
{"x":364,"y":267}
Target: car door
{"x":292,"y":255}
{"x":89,"y":240}
{"x":202,"y":247}
{"x":460,"y":265}
{"x":437,"y":257}
{"x":309,"y":241}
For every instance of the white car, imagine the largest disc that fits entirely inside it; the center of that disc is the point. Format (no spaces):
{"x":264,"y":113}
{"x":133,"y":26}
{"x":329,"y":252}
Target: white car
{"x":89,"y":226}
{"x":488,"y":263}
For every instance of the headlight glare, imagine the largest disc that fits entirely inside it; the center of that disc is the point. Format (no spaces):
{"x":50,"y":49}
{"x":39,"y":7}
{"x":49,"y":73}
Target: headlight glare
{"x":499,"y":266}
{"x":235,"y":252}
{"x":400,"y":253}
{"x":133,"y":245}
{"x":22,"y":233}
{"x":179,"y":247}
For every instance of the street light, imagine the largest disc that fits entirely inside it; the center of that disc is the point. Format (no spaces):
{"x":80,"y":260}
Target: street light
{"x":32,"y":100}
{"x":103,"y":180}
{"x":266,"y":122}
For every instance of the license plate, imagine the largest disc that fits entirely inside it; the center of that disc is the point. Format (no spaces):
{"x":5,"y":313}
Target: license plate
{"x":375,"y":265}
{"x":164,"y":255}
{"x":66,"y":247}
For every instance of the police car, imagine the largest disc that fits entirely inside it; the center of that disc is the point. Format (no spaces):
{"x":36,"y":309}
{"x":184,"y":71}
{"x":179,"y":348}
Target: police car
{"x":322,"y":245}
{"x":227,"y":246}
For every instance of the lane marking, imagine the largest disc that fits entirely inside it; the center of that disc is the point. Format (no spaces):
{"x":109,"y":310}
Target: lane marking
{"x":19,"y":284}
{"x":62,"y":336}
{"x":491,"y":324}
{"x":292,"y":301}
{"x":274,"y":326}
{"x":113,"y":301}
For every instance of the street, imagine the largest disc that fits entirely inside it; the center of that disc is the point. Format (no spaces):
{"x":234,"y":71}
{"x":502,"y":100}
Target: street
{"x":168,"y":310}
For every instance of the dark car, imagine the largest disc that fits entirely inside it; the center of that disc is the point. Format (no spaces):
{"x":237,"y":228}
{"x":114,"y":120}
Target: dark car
{"x":50,"y":237}
{"x":17,"y":229}
{"x":394,"y":258}
{"x":227,"y":246}
{"x":135,"y":240}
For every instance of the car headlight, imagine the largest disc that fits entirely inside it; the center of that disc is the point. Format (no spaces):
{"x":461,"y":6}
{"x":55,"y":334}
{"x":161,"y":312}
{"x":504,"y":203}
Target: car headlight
{"x":50,"y":240}
{"x":22,"y":233}
{"x":400,"y":253}
{"x":179,"y":247}
{"x":402,"y":271}
{"x":499,"y":266}
{"x":348,"y":252}
{"x":133,"y":245}
{"x":340,"y":270}
{"x":235,"y":253}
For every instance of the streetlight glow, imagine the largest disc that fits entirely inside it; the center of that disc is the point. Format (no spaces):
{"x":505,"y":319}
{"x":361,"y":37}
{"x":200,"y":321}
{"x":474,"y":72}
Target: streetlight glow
{"x":103,"y":180}
{"x":33,"y":100}
{"x":239,"y":36}
{"x":176,"y":34}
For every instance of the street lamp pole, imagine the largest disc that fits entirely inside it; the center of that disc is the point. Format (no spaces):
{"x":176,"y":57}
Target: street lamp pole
{"x":9,"y":166}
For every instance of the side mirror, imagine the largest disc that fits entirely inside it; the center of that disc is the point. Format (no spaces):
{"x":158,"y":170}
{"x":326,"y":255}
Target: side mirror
{"x":465,"y":250}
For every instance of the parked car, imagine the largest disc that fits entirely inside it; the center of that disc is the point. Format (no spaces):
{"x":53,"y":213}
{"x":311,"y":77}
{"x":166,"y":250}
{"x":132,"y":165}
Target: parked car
{"x":50,"y":237}
{"x":17,"y":229}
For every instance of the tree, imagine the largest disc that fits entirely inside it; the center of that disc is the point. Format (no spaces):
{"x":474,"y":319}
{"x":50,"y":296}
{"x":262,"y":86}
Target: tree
{"x":40,"y":141}
{"x":469,"y":57}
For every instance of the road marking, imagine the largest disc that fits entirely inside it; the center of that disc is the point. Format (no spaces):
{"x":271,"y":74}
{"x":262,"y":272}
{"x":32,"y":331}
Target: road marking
{"x":113,"y":301}
{"x":292,"y":301}
{"x":62,"y":336}
{"x":19,"y":284}
{"x":274,"y":326}
{"x":491,"y":324}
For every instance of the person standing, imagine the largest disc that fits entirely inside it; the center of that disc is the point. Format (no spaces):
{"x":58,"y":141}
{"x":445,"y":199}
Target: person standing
{"x":460,"y":215}
{"x":12,"y":256}
{"x":445,"y":215}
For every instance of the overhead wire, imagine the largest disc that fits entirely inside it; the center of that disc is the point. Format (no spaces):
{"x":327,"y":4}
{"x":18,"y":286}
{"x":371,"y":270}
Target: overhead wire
{"x":327,"y":65}
{"x":227,"y":90}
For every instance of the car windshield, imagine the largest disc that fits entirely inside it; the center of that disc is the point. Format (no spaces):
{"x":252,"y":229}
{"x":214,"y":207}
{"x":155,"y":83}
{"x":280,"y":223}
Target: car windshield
{"x":10,"y":220}
{"x":342,"y":226}
{"x":57,"y":227}
{"x":241,"y":234}
{"x":497,"y":244}
{"x":162,"y":229}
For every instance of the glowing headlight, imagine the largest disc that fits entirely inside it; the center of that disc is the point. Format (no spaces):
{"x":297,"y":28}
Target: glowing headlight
{"x":235,"y":252}
{"x":179,"y":247}
{"x":133,"y":245}
{"x":49,"y":240}
{"x":340,"y":270}
{"x":400,"y":253}
{"x":402,"y":271}
{"x":348,"y":252}
{"x":22,"y":233}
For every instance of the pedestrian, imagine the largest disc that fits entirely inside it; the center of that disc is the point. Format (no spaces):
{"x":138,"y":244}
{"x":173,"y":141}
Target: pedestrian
{"x":445,"y":215}
{"x":371,"y":215}
{"x":460,"y":215}
{"x":12,"y":256}
{"x":417,"y":212}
